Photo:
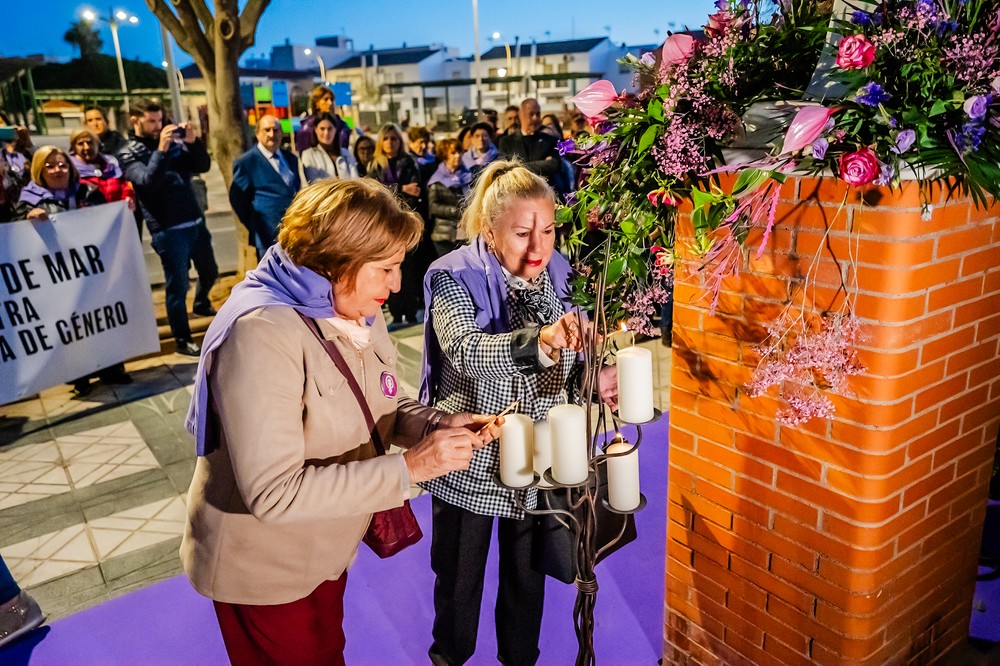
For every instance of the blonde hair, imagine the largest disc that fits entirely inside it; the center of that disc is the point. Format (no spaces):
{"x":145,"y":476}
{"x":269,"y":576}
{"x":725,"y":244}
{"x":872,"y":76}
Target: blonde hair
{"x":381,"y":158}
{"x":77,"y":133}
{"x":501,"y":183}
{"x":334,"y":227}
{"x":38,"y":165}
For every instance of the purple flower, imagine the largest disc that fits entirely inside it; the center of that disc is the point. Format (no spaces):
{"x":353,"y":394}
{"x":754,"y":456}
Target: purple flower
{"x":861,"y":17}
{"x":569,"y":199}
{"x":971,"y":137}
{"x":975,"y":107}
{"x":872,"y":94}
{"x":567,"y":146}
{"x":722,"y":5}
{"x":885,"y":175}
{"x":648,"y":59}
{"x":605,"y":126}
{"x":820,"y":147}
{"x":904,"y":141}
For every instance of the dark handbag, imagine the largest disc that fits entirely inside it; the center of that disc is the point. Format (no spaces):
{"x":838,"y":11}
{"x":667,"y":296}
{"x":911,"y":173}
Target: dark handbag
{"x":392,"y":530}
{"x":553,"y":547}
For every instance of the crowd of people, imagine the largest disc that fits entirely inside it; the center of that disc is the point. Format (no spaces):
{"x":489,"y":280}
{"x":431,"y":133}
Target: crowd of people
{"x":344,"y":224}
{"x":430,"y":175}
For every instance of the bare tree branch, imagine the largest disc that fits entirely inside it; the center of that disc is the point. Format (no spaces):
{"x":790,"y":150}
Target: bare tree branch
{"x":205,"y":16}
{"x":248,"y":21}
{"x":193,"y":42}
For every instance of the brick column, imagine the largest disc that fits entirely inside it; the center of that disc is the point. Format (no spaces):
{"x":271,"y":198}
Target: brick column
{"x":854,"y":540}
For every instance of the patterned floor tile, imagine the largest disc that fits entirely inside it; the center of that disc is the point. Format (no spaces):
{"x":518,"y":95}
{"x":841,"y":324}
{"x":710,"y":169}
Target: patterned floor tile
{"x":104,"y":453}
{"x":50,"y":555}
{"x":138,"y":528}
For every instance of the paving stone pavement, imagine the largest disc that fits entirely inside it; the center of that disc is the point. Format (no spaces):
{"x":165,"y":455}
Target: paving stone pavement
{"x":92,"y":489}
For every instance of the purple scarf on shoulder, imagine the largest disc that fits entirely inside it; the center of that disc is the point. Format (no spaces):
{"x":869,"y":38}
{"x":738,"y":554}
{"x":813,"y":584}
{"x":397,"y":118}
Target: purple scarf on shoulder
{"x":108,"y":167}
{"x":469,"y":160}
{"x":477,"y":271}
{"x":459,"y":178}
{"x":275,"y":281}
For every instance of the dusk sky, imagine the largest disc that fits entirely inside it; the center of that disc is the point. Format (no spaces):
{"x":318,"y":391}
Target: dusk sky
{"x":38,"y":26}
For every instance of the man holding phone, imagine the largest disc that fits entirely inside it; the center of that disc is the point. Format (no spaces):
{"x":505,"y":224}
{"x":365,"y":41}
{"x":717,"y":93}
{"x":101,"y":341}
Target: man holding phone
{"x":159,"y":161}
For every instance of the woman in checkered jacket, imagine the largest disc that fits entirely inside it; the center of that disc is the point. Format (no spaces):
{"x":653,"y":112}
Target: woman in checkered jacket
{"x":499,"y":328}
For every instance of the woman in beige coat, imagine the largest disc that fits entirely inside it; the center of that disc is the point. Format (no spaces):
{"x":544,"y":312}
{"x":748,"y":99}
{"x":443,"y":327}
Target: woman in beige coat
{"x":287,"y":478}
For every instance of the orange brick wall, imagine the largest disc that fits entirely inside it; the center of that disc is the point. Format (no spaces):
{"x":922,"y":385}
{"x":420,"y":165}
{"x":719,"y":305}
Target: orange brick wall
{"x":854,"y":540}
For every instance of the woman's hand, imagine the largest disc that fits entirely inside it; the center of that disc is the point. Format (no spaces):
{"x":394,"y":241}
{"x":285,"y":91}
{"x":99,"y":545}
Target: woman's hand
{"x":444,"y":450}
{"x":485,"y":426}
{"x":413,"y":189}
{"x":607,"y":386}
{"x":565,"y":333}
{"x":38,"y":215}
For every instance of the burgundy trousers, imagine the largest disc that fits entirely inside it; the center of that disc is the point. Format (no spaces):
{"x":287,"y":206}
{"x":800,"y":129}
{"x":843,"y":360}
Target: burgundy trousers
{"x":306,"y":631}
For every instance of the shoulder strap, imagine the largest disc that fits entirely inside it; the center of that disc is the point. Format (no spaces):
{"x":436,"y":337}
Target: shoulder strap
{"x":341,"y":363}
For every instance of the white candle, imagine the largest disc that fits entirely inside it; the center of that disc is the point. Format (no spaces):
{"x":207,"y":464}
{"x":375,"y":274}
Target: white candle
{"x":516,"y":443}
{"x":635,"y":385}
{"x":569,"y":444}
{"x":623,"y":476}
{"x":543,"y":451}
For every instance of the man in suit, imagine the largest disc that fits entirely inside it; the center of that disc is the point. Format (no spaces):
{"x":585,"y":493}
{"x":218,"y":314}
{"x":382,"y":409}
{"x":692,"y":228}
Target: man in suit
{"x":536,"y":150}
{"x":265,"y":180}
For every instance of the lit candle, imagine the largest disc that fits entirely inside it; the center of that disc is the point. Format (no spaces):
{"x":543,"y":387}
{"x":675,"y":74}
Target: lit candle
{"x":623,"y":476}
{"x":543,"y":451}
{"x":569,"y":444}
{"x":516,"y":443}
{"x":635,"y":384}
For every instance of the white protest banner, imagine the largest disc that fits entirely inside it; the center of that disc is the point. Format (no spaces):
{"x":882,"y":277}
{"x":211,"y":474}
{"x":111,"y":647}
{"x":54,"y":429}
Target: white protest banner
{"x":74,"y":298}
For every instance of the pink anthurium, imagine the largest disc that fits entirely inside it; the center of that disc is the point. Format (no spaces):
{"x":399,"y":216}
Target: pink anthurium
{"x":806,"y":127}
{"x":596,"y":97}
{"x":677,"y":49}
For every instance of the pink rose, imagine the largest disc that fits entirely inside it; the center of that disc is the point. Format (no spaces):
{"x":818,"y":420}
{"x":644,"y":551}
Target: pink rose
{"x":720,"y":22}
{"x":859,"y":168}
{"x":855,"y":52}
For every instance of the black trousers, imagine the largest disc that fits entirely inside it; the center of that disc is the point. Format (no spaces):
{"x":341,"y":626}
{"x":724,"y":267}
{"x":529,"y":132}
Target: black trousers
{"x":460,"y":544}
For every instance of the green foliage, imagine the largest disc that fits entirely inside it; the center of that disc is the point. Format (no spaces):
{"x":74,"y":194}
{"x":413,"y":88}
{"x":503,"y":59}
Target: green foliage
{"x":101,"y":72}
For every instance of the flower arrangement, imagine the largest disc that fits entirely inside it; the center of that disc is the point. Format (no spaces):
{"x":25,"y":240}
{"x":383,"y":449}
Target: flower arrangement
{"x":917,"y":86}
{"x":921,"y":77}
{"x":652,"y":150}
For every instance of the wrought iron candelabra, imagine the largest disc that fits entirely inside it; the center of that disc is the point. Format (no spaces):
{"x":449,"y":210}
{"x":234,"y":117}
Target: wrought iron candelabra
{"x":587,"y":505}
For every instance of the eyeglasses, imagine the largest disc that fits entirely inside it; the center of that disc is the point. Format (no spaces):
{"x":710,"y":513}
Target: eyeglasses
{"x":58,"y":166}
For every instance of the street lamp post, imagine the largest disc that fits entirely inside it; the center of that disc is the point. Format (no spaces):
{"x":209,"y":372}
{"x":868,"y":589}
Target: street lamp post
{"x":322,"y":65}
{"x":112,"y":20}
{"x":173,"y":76}
{"x":475,"y":53}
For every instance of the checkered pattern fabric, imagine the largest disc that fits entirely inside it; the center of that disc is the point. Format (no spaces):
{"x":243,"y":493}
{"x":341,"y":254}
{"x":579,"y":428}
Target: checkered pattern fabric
{"x":484,"y":373}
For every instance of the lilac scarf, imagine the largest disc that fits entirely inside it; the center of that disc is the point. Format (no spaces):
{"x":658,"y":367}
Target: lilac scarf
{"x":477,"y":270}
{"x":470,"y":160}
{"x":459,"y":178}
{"x":33,"y":193}
{"x":110,"y":168}
{"x":275,"y":281}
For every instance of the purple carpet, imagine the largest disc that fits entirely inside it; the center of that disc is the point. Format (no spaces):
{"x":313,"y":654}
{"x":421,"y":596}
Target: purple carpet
{"x":388,"y":606}
{"x":389,"y":609}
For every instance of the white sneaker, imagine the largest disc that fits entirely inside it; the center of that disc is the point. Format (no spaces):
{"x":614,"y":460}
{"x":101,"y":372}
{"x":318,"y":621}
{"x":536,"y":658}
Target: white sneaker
{"x":19,"y":619}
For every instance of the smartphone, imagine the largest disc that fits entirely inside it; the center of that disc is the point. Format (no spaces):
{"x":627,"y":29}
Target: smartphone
{"x":8,"y":133}
{"x":179,"y":133}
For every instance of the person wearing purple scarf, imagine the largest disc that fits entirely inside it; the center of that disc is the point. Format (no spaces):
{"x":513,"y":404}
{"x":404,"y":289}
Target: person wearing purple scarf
{"x":99,"y":169}
{"x":55,"y":187}
{"x":287,"y":478}
{"x":499,"y":328}
{"x":447,"y":188}
{"x":482,"y":151}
